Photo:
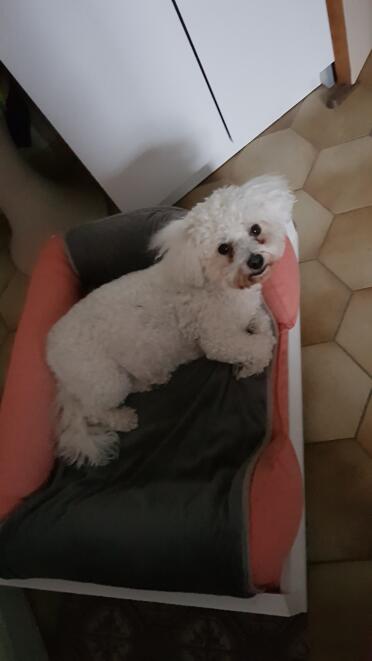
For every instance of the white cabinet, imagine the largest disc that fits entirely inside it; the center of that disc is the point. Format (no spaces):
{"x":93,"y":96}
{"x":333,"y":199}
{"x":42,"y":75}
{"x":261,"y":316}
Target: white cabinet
{"x":260,"y":56}
{"x":121,"y":80}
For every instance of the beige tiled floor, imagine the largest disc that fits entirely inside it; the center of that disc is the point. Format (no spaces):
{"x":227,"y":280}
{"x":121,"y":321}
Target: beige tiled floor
{"x":326,"y":127}
{"x":312,"y":222}
{"x":340,"y":610}
{"x":324,"y":300}
{"x":281,"y":151}
{"x":341,"y":177}
{"x":327,"y":157}
{"x":347,"y":250}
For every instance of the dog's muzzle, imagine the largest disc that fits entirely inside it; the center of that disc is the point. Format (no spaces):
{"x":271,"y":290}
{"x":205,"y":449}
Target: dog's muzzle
{"x":258,"y":268}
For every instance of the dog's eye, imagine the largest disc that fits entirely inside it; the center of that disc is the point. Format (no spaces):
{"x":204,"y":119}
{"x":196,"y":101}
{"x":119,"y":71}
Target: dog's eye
{"x":225,"y":248}
{"x":255,"y":230}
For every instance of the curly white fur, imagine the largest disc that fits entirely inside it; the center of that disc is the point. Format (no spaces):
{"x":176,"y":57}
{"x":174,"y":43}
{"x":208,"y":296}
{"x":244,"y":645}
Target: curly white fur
{"x":134,"y":332}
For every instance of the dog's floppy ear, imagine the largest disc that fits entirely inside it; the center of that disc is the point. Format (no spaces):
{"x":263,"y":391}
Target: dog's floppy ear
{"x":168,"y":236}
{"x":175,"y":246}
{"x":283,"y":198}
{"x":280,"y":197}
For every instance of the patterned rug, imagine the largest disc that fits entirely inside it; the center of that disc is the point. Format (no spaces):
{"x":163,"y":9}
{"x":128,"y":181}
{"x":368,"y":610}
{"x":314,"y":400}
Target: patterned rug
{"x":97,"y":629}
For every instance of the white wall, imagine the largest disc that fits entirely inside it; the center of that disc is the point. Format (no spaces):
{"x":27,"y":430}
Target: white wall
{"x":358,"y":19}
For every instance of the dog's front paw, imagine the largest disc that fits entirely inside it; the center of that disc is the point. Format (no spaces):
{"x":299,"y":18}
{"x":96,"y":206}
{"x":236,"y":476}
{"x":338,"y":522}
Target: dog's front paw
{"x":243,"y":371}
{"x":250,"y":369}
{"x":260,"y":358}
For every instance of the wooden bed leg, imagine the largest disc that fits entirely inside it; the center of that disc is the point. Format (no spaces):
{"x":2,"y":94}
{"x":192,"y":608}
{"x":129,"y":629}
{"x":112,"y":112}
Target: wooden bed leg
{"x":341,"y":67}
{"x":338,"y":94}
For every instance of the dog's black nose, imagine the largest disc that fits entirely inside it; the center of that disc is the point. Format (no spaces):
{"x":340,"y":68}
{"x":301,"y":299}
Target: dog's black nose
{"x":255,"y":262}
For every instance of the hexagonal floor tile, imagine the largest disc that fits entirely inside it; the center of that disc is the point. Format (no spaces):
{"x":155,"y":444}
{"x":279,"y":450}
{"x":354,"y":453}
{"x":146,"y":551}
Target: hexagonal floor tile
{"x":355,"y":333}
{"x":325,"y":127}
{"x":340,"y":611}
{"x":339,"y":502}
{"x":335,"y":393}
{"x":341,"y":176}
{"x":365,"y":430}
{"x":312,"y":222}
{"x":347,"y":250}
{"x":323,"y":302}
{"x":12,"y":300}
{"x":283,"y":152}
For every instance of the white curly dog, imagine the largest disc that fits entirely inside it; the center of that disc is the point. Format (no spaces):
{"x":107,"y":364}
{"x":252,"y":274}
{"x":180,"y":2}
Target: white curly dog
{"x":202,"y":297}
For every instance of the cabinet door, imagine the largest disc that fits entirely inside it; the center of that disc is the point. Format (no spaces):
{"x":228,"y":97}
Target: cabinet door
{"x":260,"y":56}
{"x":121,"y":84}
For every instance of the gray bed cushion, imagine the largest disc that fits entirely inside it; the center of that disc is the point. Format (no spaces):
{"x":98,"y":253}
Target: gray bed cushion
{"x":106,"y":249}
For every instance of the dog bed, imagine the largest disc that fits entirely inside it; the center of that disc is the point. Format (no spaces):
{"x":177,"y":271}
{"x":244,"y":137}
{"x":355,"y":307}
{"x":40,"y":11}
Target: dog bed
{"x":206,"y":495}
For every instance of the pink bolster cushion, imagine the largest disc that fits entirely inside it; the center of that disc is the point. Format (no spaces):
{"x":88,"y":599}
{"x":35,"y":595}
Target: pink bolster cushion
{"x":26,"y":430}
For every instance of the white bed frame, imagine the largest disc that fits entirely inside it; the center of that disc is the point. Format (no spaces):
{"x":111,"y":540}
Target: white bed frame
{"x":293,"y":596}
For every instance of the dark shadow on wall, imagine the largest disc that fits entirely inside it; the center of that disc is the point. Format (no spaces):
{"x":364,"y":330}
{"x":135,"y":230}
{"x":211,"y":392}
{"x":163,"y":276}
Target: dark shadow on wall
{"x":153,"y":176}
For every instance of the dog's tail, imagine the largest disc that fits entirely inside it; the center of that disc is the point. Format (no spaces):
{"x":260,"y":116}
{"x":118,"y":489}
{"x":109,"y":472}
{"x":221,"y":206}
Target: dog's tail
{"x":79,"y":441}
